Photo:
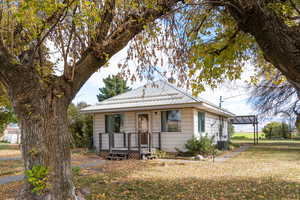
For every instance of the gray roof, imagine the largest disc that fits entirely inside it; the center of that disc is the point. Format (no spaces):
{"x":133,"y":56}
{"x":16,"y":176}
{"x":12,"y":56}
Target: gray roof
{"x":151,"y":96}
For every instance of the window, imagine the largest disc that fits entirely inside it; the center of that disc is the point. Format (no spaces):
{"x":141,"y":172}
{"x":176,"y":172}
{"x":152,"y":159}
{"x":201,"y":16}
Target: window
{"x":114,"y":123}
{"x":201,"y":122}
{"x":171,"y":121}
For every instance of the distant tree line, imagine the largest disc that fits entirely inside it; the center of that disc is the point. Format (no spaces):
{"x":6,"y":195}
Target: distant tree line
{"x":277,"y":130}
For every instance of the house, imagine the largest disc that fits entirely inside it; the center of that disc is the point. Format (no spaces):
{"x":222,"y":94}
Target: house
{"x":12,"y":134}
{"x":155,"y":116}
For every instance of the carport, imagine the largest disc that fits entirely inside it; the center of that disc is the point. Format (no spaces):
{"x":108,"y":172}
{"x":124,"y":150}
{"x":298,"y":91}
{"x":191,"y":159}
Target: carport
{"x":248,"y":119}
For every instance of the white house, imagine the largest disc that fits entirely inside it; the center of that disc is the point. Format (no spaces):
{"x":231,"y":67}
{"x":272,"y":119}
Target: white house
{"x":157,"y":115}
{"x":12,"y":134}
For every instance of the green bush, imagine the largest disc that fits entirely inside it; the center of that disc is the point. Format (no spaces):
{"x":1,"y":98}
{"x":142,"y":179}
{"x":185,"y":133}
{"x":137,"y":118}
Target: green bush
{"x":276,"y":130}
{"x":37,"y":177}
{"x":76,"y":170}
{"x":161,"y":154}
{"x":80,"y":126}
{"x":203,"y":146}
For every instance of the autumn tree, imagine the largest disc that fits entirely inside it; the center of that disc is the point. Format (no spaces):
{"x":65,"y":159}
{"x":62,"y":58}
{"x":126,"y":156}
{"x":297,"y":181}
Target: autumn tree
{"x":276,"y":130}
{"x":210,"y":41}
{"x":113,"y":85}
{"x":49,"y":48}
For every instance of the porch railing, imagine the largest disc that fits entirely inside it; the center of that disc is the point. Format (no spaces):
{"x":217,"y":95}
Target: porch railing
{"x":129,"y":141}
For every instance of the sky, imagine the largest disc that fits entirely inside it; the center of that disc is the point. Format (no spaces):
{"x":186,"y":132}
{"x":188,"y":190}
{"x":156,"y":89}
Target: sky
{"x":235,"y":94}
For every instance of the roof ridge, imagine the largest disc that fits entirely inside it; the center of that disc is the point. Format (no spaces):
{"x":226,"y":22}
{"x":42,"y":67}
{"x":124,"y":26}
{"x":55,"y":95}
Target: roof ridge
{"x":182,"y":92}
{"x":122,"y":94}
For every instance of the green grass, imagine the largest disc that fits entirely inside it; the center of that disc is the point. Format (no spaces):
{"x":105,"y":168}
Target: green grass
{"x":269,"y":170}
{"x":249,"y":136}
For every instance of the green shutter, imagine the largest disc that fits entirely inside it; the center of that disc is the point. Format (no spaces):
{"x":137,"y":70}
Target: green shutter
{"x":201,"y":122}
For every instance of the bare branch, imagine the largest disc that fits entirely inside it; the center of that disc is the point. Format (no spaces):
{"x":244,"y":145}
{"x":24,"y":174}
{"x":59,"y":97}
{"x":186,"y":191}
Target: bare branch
{"x":99,"y":53}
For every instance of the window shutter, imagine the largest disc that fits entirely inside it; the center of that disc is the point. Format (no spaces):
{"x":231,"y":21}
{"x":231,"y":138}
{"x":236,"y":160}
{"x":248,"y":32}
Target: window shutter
{"x":201,"y":122}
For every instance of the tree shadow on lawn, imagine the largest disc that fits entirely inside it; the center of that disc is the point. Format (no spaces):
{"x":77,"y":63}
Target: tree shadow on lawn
{"x":196,"y":189}
{"x":153,"y":183}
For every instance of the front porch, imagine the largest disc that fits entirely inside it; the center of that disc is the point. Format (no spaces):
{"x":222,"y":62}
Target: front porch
{"x":134,"y":145}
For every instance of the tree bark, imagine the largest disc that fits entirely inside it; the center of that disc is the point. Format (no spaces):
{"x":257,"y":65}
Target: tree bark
{"x":41,"y":102}
{"x":46,"y":143}
{"x":279,"y":42}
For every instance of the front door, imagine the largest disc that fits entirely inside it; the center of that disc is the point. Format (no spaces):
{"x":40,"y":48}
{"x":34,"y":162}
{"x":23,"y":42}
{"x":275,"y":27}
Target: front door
{"x":143,"y":127}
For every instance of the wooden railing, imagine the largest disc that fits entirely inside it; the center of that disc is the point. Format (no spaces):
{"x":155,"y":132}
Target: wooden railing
{"x":129,"y":140}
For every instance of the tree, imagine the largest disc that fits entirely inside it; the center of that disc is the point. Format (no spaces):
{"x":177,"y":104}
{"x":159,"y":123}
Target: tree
{"x":274,"y":95}
{"x":80,"y":126}
{"x":48,"y":50}
{"x":114,"y":85}
{"x":211,"y":41}
{"x":276,"y":129}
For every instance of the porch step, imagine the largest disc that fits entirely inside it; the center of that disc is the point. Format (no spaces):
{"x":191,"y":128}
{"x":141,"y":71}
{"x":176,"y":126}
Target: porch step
{"x":117,"y":156}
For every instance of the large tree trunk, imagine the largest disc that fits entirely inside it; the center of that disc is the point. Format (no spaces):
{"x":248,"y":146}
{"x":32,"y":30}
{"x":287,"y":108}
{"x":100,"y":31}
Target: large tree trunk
{"x":279,"y":42}
{"x":46,"y":143}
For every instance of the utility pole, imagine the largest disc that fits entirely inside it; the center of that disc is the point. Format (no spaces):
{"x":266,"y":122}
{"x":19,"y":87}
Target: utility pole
{"x":221,"y":101}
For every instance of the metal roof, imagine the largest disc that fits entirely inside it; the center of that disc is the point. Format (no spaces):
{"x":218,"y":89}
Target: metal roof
{"x":245,"y":119}
{"x":159,"y":93}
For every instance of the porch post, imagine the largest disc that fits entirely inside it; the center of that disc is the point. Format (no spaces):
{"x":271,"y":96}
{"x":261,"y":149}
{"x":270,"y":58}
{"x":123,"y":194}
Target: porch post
{"x":124,"y":139}
{"x":129,"y":141}
{"x":159,"y":140}
{"x":110,"y":142}
{"x":149,"y":140}
{"x":100,"y":142}
{"x":139,"y":145}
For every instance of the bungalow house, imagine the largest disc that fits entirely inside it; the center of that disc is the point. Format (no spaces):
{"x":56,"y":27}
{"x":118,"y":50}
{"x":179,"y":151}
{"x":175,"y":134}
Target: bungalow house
{"x":155,"y":116}
{"x":12,"y":134}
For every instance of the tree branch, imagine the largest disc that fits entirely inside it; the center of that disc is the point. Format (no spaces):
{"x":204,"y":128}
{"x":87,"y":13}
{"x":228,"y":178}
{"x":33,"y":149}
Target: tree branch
{"x":104,"y":48}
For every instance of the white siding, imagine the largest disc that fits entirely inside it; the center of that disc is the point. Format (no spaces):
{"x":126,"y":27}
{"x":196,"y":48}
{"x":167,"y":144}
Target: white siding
{"x":172,"y":140}
{"x":169,"y":140}
{"x":212,"y":125}
{"x":99,"y":127}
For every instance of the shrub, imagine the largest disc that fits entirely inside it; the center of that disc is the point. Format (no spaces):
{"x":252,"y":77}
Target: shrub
{"x":203,"y":145}
{"x":80,"y":126}
{"x":76,"y":170}
{"x":37,"y":177}
{"x":276,"y":130}
{"x":161,"y":154}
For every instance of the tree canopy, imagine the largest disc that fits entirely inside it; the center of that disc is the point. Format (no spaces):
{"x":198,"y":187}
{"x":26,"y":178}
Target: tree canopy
{"x":50,"y":48}
{"x":200,"y":42}
{"x":276,"y":130}
{"x":114,"y":85}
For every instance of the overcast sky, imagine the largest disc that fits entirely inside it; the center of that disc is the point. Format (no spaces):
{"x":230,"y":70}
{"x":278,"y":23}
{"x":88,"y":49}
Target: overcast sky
{"x":235,"y":94}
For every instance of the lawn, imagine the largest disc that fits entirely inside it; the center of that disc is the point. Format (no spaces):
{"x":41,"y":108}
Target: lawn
{"x":265,"y":171}
{"x":9,"y":150}
{"x":10,"y":167}
{"x":269,"y":170}
{"x":243,"y":135}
